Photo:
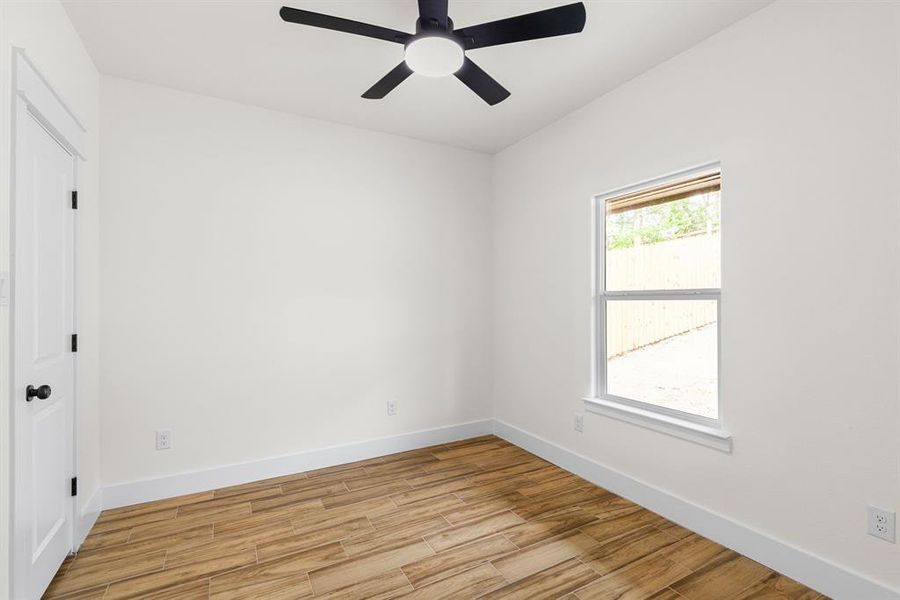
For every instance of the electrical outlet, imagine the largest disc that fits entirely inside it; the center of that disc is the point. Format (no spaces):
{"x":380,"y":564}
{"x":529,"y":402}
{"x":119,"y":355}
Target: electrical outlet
{"x":881,"y":523}
{"x":579,"y":422}
{"x":391,"y":408}
{"x":163,"y":439}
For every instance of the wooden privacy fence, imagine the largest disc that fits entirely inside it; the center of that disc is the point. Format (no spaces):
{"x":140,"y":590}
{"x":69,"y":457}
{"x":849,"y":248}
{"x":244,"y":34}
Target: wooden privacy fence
{"x":683,"y":263}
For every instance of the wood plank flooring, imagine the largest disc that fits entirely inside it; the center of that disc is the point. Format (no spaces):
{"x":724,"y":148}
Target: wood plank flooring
{"x":478,"y":518}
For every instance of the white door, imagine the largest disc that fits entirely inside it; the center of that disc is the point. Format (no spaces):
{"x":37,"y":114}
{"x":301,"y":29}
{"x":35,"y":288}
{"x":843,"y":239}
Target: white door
{"x":43,"y":319}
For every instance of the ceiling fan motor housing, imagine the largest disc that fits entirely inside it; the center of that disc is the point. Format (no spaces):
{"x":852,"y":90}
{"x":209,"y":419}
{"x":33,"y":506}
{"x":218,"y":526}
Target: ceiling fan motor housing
{"x":434,"y":25}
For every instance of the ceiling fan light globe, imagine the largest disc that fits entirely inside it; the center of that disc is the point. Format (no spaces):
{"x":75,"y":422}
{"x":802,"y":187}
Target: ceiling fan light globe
{"x":434,"y":56}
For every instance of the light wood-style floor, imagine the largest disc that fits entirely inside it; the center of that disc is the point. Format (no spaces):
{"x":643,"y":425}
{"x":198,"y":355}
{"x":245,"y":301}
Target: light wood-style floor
{"x":479,"y":518}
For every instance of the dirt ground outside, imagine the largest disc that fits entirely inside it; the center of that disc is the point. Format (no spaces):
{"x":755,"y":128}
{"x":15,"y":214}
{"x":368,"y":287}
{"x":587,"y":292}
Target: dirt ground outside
{"x":680,"y":373}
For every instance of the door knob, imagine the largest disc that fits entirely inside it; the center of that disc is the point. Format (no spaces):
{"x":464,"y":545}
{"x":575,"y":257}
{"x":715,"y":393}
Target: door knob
{"x":41,"y":393}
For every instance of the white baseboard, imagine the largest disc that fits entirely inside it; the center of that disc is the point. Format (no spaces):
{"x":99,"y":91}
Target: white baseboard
{"x":811,"y":570}
{"x":806,"y":568}
{"x":124,"y":494}
{"x":88,"y":516}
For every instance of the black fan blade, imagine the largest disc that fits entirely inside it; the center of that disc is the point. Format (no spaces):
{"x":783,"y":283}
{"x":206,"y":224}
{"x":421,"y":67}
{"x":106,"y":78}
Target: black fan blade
{"x":434,"y":10}
{"x":561,"y":20}
{"x":387,"y":83}
{"x":305,"y":17}
{"x":481,"y":83}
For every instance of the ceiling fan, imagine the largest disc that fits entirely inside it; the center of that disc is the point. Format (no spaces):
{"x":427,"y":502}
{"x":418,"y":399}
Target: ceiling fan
{"x":438,"y":50}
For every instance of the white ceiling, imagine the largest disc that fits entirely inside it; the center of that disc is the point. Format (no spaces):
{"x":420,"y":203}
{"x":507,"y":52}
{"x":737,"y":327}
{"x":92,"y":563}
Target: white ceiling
{"x":242,"y":51}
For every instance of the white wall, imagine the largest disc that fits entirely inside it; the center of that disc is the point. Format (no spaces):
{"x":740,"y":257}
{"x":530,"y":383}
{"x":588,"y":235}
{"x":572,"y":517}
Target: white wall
{"x":800,"y":103}
{"x":270,"y":281}
{"x":44,"y":31}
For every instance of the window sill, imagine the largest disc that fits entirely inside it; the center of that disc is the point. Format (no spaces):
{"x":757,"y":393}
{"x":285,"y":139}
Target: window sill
{"x":712,"y":437}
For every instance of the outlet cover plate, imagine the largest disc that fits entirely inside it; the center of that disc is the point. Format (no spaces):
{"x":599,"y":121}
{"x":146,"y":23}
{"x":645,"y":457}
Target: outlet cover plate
{"x":881,"y":523}
{"x":579,"y":422}
{"x":163,"y":439}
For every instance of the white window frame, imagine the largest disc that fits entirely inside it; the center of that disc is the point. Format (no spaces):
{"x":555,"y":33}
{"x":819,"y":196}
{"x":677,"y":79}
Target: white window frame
{"x":696,"y":428}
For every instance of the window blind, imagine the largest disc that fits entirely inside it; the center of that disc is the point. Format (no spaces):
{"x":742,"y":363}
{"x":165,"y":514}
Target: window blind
{"x":708,"y":182}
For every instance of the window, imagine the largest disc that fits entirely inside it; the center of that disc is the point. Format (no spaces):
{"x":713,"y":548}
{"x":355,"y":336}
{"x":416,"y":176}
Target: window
{"x":657,"y":305}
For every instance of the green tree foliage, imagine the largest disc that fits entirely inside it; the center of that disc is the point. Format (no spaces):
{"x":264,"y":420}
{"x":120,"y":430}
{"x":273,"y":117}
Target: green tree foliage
{"x":660,"y":222}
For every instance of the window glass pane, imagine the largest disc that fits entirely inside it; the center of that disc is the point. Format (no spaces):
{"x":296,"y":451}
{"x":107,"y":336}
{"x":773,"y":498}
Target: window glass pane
{"x":671,"y":245}
{"x":664,"y":352}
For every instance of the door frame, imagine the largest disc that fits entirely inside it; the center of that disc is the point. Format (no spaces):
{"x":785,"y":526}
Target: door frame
{"x":34,"y":98}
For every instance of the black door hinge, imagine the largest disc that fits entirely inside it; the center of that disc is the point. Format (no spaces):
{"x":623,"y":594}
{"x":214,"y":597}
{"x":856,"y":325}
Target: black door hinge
{"x":74,"y":199}
{"x":74,"y":486}
{"x":74,"y":342}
